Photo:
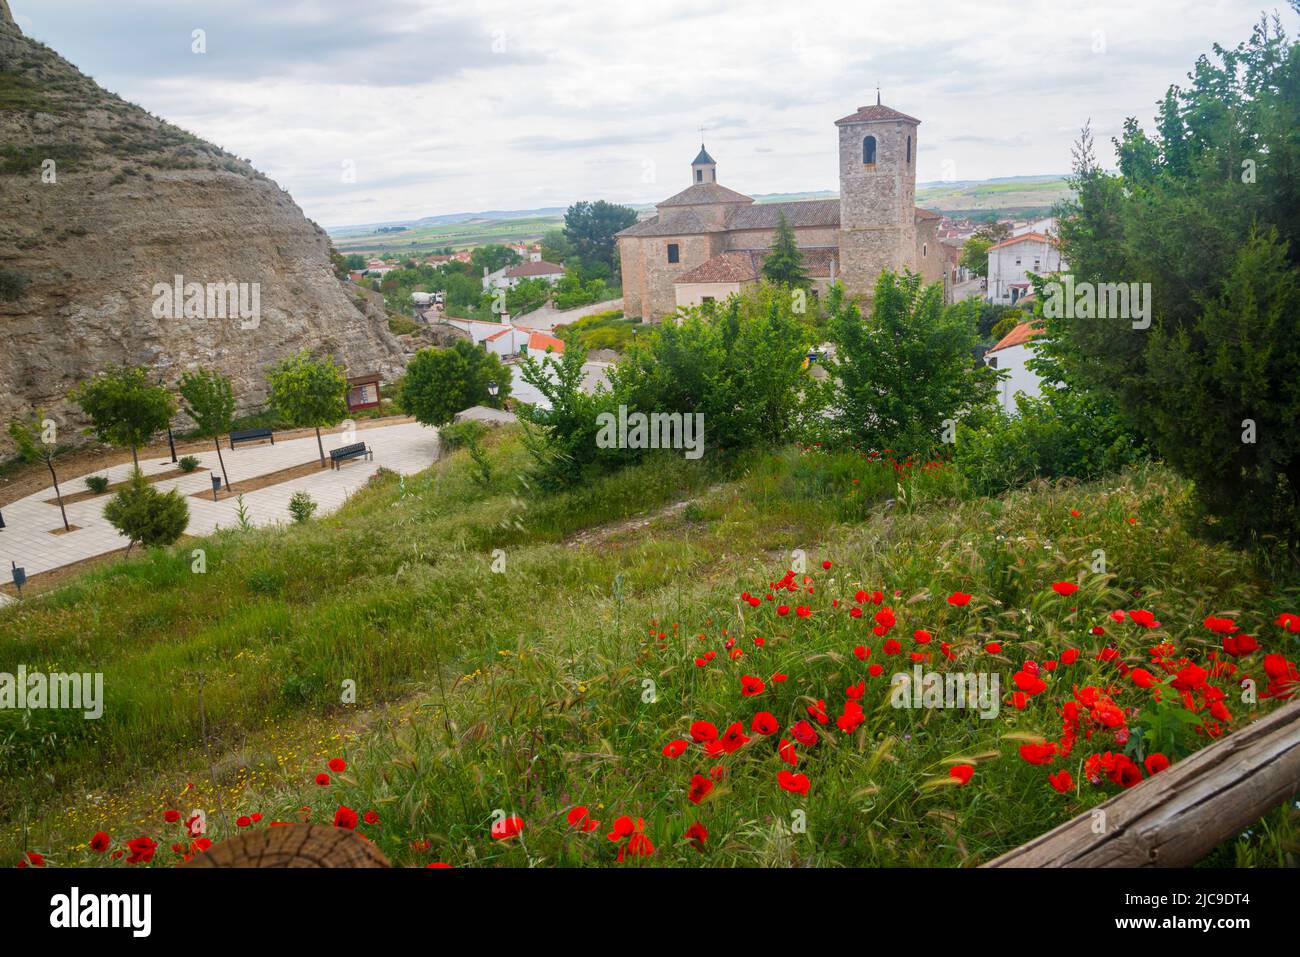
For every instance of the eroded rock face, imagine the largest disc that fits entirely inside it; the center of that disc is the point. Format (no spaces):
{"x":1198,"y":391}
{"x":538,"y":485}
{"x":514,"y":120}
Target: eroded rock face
{"x":99,"y":202}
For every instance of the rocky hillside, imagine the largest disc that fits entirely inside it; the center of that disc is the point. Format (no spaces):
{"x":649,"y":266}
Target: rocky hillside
{"x":99,"y":202}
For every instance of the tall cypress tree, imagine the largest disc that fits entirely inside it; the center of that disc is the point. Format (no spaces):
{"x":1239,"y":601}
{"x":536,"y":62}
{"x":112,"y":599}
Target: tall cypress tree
{"x":784,"y":264}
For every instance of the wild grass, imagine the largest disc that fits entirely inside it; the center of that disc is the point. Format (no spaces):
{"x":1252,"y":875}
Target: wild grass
{"x":522,"y":659}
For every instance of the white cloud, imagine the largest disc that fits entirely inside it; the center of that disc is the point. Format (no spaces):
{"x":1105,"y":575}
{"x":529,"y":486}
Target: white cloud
{"x":497,"y":104}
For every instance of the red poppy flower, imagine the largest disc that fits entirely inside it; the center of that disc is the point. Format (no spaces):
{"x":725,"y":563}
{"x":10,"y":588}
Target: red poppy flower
{"x":892,"y":647}
{"x":1142,"y":678}
{"x":875,"y":670}
{"x":765,"y":723}
{"x":371,"y":817}
{"x":862,"y":652}
{"x":1069,"y":656}
{"x":171,"y":817}
{"x":243,"y":821}
{"x":959,"y":598}
{"x":921,"y":636}
{"x":804,"y":733}
{"x":855,"y":612}
{"x":826,"y":565}
{"x":1038,"y":753}
{"x":750,"y":686}
{"x":674,"y":749}
{"x":1289,"y":621}
{"x":322,"y":779}
{"x":1144,"y":618}
{"x":502,"y":828}
{"x":1029,"y":683}
{"x":1221,"y":626}
{"x":338,"y":765}
{"x":142,"y":850}
{"x":697,"y":834}
{"x":783,"y":610}
{"x":703,"y":731}
{"x":1064,"y":589}
{"x":346,"y":818}
{"x":993,"y":648}
{"x":100,"y":842}
{"x":961,"y":773}
{"x":1238,"y":645}
{"x":1061,"y":780}
{"x":699,"y":789}
{"x":1190,"y":677}
{"x":1155,"y":763}
{"x":803,"y":611}
{"x":817,"y":711}
{"x":733,"y":738}
{"x":787,"y":753}
{"x":793,"y":781}
{"x":33,"y":859}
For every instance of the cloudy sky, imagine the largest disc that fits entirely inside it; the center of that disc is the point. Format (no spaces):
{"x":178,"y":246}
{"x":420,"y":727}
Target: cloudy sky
{"x":395,"y":109}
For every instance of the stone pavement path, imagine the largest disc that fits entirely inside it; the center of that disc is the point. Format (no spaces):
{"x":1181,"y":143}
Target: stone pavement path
{"x":27,"y":539}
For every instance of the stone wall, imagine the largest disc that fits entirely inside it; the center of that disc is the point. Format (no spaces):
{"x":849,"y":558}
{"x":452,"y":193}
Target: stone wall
{"x":877,"y":204}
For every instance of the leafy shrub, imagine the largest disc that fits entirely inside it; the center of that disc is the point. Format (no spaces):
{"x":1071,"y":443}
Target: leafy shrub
{"x":441,"y":382}
{"x":906,"y":370}
{"x":461,"y":434}
{"x":97,"y":483}
{"x":187,"y":463}
{"x":12,"y":284}
{"x":301,"y":507}
{"x":145,"y":515}
{"x":1004,"y":326}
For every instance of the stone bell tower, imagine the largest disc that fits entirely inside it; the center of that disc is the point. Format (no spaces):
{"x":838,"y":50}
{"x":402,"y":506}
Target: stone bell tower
{"x":877,"y":195}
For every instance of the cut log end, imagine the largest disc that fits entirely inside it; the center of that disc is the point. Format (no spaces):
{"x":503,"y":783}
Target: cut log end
{"x":293,"y":845}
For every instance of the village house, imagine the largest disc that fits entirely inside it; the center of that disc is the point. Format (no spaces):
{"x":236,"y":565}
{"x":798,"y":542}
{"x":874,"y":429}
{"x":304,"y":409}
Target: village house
{"x":1012,"y":260}
{"x":708,"y":241}
{"x":510,"y":276}
{"x":1011,"y":356}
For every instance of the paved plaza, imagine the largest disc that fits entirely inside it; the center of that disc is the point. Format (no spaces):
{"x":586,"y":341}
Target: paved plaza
{"x":28,"y":540}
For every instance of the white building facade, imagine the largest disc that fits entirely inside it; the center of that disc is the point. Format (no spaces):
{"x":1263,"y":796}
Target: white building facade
{"x":1012,"y":260}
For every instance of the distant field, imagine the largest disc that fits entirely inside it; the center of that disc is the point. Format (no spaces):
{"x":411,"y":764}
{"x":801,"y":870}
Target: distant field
{"x":1018,"y":196}
{"x":422,"y":239}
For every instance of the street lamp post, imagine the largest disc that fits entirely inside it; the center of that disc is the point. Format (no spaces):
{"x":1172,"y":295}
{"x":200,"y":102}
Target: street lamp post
{"x":493,"y":389}
{"x":216,"y":486}
{"x":20,"y":577}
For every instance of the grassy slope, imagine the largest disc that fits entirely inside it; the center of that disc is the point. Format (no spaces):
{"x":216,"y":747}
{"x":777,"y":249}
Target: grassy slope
{"x":523,"y":691}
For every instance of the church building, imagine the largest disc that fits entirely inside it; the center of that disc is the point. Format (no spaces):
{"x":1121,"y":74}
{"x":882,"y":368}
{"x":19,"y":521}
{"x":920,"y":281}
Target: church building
{"x":709,"y":241}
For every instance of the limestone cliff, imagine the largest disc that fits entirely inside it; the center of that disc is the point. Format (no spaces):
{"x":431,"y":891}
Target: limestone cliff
{"x":100,"y":202}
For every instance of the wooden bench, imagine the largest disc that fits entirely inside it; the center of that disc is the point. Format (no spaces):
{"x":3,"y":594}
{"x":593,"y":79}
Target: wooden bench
{"x":251,"y":435}
{"x":353,"y":451}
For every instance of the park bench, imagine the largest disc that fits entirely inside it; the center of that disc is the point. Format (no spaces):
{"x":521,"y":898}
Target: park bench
{"x":355,"y":450}
{"x":251,"y":435}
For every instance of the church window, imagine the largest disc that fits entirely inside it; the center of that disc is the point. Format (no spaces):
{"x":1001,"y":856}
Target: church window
{"x":674,"y":254}
{"x":699,"y":176}
{"x":715,"y":175}
{"x":925,"y":250}
{"x":869,"y":151}
{"x":909,"y":150}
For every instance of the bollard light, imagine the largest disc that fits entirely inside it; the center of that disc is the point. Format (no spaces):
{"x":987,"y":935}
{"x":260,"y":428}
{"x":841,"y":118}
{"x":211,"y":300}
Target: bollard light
{"x":20,"y":578}
{"x":216,"y":486}
{"x":2,"y":519}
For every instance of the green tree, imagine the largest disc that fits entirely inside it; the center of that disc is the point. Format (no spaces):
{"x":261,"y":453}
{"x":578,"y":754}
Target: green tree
{"x":784,"y":264}
{"x":975,"y":251}
{"x":591,"y":228}
{"x":556,"y":247}
{"x":210,"y":402}
{"x":441,"y":382}
{"x":907,"y":371}
{"x":36,"y":443}
{"x":492,"y":257}
{"x":1208,"y":374}
{"x":309,"y":393}
{"x":125,"y":408}
{"x":145,"y":515}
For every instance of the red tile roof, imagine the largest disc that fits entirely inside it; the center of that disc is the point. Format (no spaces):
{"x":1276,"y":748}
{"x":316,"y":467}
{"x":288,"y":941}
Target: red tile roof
{"x":701,"y":194}
{"x":539,"y":341}
{"x":1021,"y":334}
{"x":1038,"y":237}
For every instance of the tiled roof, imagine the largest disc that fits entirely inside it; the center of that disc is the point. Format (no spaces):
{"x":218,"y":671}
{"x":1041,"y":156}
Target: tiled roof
{"x":744,"y":265}
{"x":808,"y":212}
{"x":927,"y":214}
{"x":1021,"y":334}
{"x":539,"y":341}
{"x":1037,"y":237}
{"x":703,"y":157}
{"x":735,"y":265}
{"x":874,"y":113}
{"x":685,"y":223}
{"x":539,"y":268}
{"x":703,"y":194}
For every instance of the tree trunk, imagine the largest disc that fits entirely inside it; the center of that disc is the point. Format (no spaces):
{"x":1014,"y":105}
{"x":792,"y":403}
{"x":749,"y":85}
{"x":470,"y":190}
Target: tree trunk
{"x":135,"y":459}
{"x":59,"y":496}
{"x":321,"y":446}
{"x":216,"y":439}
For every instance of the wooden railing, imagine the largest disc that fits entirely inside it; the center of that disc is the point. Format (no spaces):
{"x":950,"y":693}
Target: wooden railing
{"x":1176,"y":817}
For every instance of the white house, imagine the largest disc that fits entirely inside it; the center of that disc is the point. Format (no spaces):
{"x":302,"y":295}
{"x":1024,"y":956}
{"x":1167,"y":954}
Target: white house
{"x":1010,"y":357}
{"x":511,"y":276}
{"x":1045,"y":225}
{"x":1012,"y":260}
